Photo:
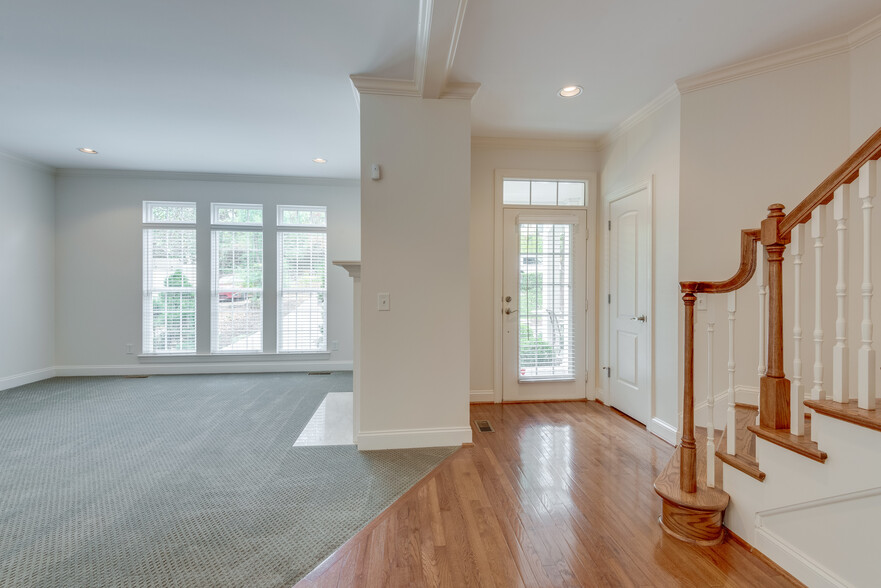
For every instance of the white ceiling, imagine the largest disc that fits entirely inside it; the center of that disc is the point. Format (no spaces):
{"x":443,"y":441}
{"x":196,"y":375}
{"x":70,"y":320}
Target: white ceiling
{"x":262,"y":87}
{"x":624,"y":54}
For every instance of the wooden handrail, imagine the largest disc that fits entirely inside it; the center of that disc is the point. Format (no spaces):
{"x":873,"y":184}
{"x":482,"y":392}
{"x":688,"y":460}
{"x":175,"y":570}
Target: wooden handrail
{"x":748,"y":238}
{"x":846,"y":173}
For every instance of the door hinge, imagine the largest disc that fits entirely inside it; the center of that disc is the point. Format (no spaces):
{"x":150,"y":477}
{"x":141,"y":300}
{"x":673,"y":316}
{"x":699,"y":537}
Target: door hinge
{"x":610,"y":299}
{"x":610,"y":225}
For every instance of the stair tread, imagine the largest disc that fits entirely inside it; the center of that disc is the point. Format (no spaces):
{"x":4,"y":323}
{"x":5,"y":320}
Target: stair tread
{"x":800,"y":444}
{"x":707,"y":499}
{"x":744,"y":458}
{"x":849,"y":412}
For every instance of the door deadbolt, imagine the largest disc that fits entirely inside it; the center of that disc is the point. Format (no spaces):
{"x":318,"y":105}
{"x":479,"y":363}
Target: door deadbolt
{"x":507,"y":299}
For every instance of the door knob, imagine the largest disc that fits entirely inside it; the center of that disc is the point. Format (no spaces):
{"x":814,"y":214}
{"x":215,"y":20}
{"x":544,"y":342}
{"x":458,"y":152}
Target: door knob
{"x":641,"y":318}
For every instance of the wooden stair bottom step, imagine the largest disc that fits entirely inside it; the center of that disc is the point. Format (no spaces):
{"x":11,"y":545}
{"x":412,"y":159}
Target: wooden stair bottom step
{"x":694,"y":517}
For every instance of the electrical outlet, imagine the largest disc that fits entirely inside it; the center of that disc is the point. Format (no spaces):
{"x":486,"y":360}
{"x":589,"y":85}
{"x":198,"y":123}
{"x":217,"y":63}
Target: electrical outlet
{"x":129,"y":349}
{"x":334,"y":345}
{"x":382,"y":301}
{"x":701,"y":303}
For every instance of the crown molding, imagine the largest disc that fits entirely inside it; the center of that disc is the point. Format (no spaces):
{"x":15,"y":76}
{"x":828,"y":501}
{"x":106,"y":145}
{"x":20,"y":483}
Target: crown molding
{"x":587,"y":145}
{"x":765,"y":64}
{"x":664,"y":98}
{"x":460,"y":90}
{"x":386,"y":86}
{"x":423,"y":39}
{"x":436,"y":66}
{"x":26,"y":161}
{"x":203,"y":177}
{"x":864,"y":33}
{"x":457,"y":32}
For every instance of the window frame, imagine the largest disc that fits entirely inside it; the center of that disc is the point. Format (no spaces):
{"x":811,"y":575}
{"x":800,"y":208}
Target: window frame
{"x":281,"y":229}
{"x":147,"y":225}
{"x":214,"y":287}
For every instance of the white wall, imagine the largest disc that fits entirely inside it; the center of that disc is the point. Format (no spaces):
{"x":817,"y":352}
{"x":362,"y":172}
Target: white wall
{"x":99,"y":249}
{"x":414,"y":246}
{"x":27,"y":267}
{"x":745,"y":145}
{"x":649,"y":151}
{"x":486,"y":157}
{"x":865,"y":91}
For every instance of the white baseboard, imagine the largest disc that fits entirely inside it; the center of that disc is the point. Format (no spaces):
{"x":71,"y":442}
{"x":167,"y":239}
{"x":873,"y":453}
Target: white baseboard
{"x":805,"y":569}
{"x":30,"y":377}
{"x":664,"y":430}
{"x":202,"y":368}
{"x":411,"y":438}
{"x":483,"y":396}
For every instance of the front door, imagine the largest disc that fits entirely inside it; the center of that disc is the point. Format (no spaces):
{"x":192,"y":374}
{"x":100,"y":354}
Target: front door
{"x":543,"y":331}
{"x":629,"y":304}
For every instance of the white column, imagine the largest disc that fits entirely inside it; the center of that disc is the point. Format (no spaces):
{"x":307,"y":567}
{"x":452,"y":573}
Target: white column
{"x":731,"y":420}
{"x":840,"y":212}
{"x":797,"y":392}
{"x":866,"y":360}
{"x":711,"y":401}
{"x":818,"y":231}
{"x":354,"y":269}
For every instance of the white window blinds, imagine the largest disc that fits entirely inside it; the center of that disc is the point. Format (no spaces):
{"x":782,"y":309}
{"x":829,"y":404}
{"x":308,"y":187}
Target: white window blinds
{"x":236,"y":280}
{"x":169,"y":287}
{"x":302,"y":279}
{"x":547,"y":329}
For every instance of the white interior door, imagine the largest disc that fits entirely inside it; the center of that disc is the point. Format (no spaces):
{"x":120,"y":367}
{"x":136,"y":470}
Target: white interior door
{"x":630,"y":305}
{"x":543,"y":334}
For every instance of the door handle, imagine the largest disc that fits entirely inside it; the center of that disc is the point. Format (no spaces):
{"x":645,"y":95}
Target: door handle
{"x":509,"y":311}
{"x":641,"y":318}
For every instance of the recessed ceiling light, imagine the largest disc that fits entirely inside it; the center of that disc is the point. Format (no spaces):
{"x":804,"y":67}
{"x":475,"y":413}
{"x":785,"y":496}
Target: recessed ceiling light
{"x":570,"y":91}
{"x":319,"y":160}
{"x":87,"y":150}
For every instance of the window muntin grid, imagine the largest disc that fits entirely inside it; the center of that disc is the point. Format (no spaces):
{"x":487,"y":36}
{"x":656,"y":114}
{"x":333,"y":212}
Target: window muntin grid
{"x":516,"y":192}
{"x":546,"y":339}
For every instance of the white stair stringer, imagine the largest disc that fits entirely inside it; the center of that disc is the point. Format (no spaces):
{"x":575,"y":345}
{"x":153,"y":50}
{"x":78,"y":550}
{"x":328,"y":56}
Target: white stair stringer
{"x":815,"y":520}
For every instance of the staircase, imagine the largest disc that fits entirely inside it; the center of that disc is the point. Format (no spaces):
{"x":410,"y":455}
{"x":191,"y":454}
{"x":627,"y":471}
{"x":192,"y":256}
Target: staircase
{"x":802,"y":468}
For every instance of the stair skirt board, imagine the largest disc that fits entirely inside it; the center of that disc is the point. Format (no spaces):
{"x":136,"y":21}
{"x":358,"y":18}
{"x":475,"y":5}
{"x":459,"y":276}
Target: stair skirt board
{"x":778,"y":530}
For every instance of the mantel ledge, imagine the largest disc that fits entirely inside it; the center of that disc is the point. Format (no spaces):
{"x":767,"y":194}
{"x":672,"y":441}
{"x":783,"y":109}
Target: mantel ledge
{"x":353,"y":267}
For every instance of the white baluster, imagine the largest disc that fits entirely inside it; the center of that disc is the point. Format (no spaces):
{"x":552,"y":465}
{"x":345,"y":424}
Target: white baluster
{"x":761,"y":270}
{"x":796,"y":391}
{"x":731,"y":425}
{"x":818,"y":231}
{"x":840,"y":212}
{"x":711,"y":401}
{"x":866,"y":360}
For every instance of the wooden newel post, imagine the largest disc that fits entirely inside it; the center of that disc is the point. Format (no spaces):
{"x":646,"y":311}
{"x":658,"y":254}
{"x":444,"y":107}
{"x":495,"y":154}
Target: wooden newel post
{"x":688,"y":455}
{"x":774,"y":399}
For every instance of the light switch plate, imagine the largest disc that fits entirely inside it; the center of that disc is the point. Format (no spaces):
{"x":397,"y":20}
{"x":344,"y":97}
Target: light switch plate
{"x":701,"y":302}
{"x":382,"y":301}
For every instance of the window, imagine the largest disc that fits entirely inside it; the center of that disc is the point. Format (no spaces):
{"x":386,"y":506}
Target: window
{"x":169,"y":290}
{"x":302,"y":279}
{"x":543,"y":192}
{"x":236,"y":278}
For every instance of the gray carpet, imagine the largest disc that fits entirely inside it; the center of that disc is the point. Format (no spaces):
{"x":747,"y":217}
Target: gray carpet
{"x":181,"y":481}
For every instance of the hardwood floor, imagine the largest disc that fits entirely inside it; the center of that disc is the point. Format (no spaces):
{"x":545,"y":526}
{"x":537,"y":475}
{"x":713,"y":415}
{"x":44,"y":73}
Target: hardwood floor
{"x":559,"y":495}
